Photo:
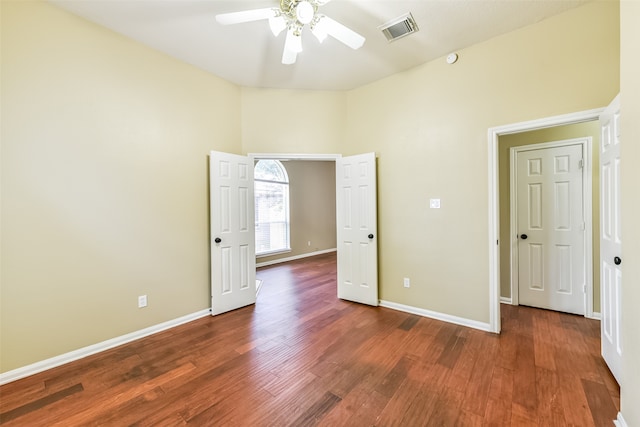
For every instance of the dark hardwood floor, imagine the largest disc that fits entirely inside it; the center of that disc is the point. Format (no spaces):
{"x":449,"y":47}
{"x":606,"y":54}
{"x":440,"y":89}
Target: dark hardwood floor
{"x":302,"y":357}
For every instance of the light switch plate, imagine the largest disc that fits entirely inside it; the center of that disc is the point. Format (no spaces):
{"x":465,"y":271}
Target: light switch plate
{"x":434,"y":203}
{"x":142,"y":301}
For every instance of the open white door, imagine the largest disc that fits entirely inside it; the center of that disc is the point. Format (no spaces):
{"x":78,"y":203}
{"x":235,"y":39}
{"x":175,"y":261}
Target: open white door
{"x":610,"y":238}
{"x":356,"y":222}
{"x":233,"y":259}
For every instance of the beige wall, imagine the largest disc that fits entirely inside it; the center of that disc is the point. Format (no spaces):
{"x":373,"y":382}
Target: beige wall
{"x":293,"y":121}
{"x":312,"y":211}
{"x":429,"y":128}
{"x":557,"y":133}
{"x":630,"y":176}
{"x":104,"y":182}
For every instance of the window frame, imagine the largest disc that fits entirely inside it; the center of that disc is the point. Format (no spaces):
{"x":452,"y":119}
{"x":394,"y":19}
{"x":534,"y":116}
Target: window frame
{"x":287,"y":220}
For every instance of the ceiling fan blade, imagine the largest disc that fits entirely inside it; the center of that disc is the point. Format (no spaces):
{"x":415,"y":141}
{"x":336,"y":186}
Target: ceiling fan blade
{"x":292,"y":46}
{"x":289,"y":57}
{"x":245,"y":16}
{"x":339,"y":32}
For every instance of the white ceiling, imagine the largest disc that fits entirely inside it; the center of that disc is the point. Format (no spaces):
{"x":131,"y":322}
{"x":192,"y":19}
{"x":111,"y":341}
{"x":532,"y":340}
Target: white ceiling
{"x":249,"y":55}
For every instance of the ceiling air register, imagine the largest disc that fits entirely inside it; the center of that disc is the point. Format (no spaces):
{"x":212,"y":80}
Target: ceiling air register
{"x":399,"y":27}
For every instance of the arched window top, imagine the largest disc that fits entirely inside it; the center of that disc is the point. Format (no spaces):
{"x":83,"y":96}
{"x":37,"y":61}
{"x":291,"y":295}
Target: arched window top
{"x":270,"y":170}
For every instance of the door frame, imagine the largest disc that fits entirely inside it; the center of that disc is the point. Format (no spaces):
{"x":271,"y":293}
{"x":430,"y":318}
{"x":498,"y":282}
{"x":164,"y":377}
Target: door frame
{"x":493,"y":135}
{"x":586,"y":144}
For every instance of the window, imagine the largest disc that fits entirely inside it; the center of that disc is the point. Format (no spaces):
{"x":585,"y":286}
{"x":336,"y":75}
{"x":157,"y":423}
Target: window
{"x":272,"y":207}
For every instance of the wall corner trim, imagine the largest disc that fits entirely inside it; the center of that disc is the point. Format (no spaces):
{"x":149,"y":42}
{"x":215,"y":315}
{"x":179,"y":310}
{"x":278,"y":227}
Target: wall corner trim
{"x":53,"y":362}
{"x":437,"y":316}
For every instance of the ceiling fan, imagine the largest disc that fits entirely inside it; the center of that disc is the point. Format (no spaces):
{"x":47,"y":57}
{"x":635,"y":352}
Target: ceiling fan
{"x":293,"y":15}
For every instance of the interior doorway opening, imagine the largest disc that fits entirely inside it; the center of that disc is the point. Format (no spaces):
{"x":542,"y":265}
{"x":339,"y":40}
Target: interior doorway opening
{"x":496,"y":241}
{"x":568,"y":249}
{"x":311,"y":212}
{"x":312,"y":206}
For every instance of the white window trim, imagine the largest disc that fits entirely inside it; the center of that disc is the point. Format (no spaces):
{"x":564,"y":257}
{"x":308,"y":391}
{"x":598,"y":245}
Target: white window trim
{"x":286,"y":249}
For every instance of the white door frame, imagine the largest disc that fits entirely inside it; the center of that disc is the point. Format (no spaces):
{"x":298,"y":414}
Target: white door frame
{"x":586,"y":144}
{"x":494,"y":196}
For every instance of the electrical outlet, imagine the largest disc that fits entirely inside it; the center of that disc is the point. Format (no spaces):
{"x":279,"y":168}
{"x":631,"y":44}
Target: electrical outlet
{"x":142,"y":301}
{"x":309,"y":243}
{"x":407,"y":282}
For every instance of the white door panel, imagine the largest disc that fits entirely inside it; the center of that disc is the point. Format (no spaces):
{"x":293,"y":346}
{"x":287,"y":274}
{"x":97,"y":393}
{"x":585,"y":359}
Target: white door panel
{"x":610,"y":238}
{"x":356,"y":223}
{"x":550,"y":224}
{"x":233,"y":265}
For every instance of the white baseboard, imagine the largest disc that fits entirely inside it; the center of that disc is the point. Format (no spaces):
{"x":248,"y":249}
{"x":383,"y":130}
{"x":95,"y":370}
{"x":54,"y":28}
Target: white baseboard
{"x":34,"y":368}
{"x":595,"y":315}
{"x":620,"y":422}
{"x":505,"y":300}
{"x":295,"y":257}
{"x":437,"y":316}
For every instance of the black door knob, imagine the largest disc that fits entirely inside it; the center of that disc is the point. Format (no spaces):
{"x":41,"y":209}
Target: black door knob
{"x":523,"y":236}
{"x":617,"y":260}
{"x":371,"y":236}
{"x":217,"y":240}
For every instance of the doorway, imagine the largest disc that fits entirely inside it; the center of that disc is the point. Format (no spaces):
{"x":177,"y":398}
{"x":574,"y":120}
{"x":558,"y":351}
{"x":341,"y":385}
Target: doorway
{"x":497,"y":239}
{"x":355,"y":222}
{"x":311,"y":206}
{"x":232,"y":227}
{"x":310,"y":211}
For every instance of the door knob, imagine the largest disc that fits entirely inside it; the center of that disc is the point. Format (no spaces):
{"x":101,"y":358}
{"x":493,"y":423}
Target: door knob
{"x":217,"y":240}
{"x":523,"y":236}
{"x":617,"y":260}
{"x":370,"y":236}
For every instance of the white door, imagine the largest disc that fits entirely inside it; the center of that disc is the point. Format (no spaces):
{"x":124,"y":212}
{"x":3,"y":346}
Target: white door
{"x":356,"y":222}
{"x":233,"y":259}
{"x":551,"y":229}
{"x":610,"y":238}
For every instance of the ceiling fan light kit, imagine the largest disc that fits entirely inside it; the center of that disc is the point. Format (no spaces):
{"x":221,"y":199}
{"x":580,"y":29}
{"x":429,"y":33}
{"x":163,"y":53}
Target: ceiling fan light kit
{"x":293,"y":15}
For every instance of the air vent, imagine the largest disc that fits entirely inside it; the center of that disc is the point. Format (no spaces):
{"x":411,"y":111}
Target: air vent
{"x":399,"y":27}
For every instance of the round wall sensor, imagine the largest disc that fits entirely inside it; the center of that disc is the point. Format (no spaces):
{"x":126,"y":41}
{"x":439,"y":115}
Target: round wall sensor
{"x":451,"y":58}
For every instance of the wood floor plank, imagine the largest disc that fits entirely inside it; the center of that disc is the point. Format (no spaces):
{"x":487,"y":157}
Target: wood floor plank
{"x":524,"y":388}
{"x":301,"y":356}
{"x":600,"y":402}
{"x":314,"y":414}
{"x":543,"y":346}
{"x":501,"y":390}
{"x":550,"y":410}
{"x":574,"y":401}
{"x":40,"y":403}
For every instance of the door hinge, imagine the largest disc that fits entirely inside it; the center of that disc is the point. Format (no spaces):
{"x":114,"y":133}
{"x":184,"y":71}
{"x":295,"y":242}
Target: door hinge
{"x":580,"y":163}
{"x":584,"y":289}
